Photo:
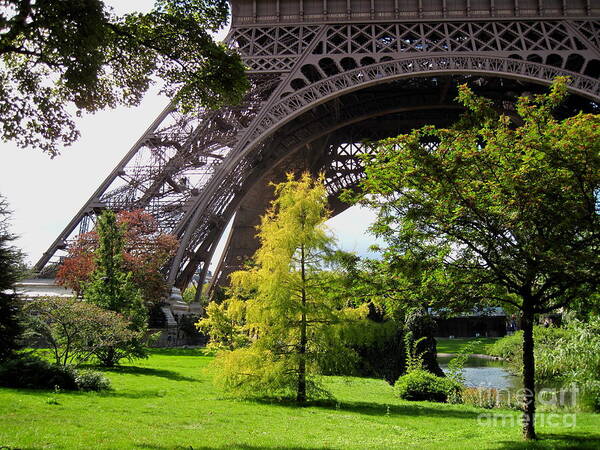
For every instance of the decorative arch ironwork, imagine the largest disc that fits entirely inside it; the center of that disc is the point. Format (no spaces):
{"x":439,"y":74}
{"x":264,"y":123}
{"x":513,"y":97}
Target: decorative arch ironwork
{"x":192,"y":171}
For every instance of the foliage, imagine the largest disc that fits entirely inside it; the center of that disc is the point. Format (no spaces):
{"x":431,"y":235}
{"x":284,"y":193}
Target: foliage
{"x":510,"y":348}
{"x":11,"y":269}
{"x":421,"y":327}
{"x":225,"y":324}
{"x":187,"y":332}
{"x":111,"y":287}
{"x":31,"y":372}
{"x":591,"y":395}
{"x":563,"y":355}
{"x":574,"y":356}
{"x":189,"y":295}
{"x":414,"y":359}
{"x":34,"y":373}
{"x":254,"y":372}
{"x":291,"y":320}
{"x":380,"y":348}
{"x":75,"y":270}
{"x":489,"y":398}
{"x":421,"y":385}
{"x":88,"y":380}
{"x":75,"y":55}
{"x":456,"y":364}
{"x":490,"y":210}
{"x":145,"y":251}
{"x":76,"y":330}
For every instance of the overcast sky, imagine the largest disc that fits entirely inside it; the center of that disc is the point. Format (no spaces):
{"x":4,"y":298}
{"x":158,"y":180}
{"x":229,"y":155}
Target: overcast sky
{"x":44,"y":194}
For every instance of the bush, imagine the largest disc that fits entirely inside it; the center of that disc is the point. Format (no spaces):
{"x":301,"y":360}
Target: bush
{"x":421,"y":385}
{"x":30,"y":372}
{"x":34,"y":373}
{"x":76,"y":331}
{"x":510,"y":348}
{"x":88,"y":380}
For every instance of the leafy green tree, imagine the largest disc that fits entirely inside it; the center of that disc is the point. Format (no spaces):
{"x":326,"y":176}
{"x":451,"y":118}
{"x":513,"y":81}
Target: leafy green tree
{"x":112,"y":288}
{"x":507,"y":211}
{"x":60,"y":56}
{"x":11,"y":268}
{"x":292,"y":324}
{"x":76,"y":330}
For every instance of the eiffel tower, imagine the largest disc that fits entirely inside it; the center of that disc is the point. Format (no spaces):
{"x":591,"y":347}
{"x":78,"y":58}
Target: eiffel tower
{"x":325,"y":75}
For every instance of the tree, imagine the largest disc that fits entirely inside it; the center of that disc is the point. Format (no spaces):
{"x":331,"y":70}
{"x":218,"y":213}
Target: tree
{"x":506,"y":210}
{"x":78,"y":55}
{"x":291,"y":323}
{"x":111,"y":287}
{"x":76,"y":330}
{"x":11,"y":268}
{"x":145,"y":251}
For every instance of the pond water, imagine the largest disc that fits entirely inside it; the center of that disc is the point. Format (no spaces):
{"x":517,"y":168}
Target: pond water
{"x":489,"y":373}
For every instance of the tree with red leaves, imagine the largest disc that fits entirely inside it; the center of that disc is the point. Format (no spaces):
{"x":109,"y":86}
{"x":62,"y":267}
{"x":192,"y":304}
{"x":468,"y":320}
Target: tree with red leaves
{"x":145,"y":251}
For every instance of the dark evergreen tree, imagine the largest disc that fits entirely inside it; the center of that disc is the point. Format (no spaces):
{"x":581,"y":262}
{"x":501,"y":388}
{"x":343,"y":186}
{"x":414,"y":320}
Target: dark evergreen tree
{"x":112,"y":288}
{"x":11,"y":265}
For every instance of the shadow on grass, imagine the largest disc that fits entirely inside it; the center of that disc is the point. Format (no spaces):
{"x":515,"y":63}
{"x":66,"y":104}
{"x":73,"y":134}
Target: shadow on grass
{"x":228,"y":446}
{"x":44,"y":394}
{"x":558,"y":440}
{"x":376,"y":409}
{"x":147,"y":371}
{"x":181,"y":351}
{"x":142,"y":393}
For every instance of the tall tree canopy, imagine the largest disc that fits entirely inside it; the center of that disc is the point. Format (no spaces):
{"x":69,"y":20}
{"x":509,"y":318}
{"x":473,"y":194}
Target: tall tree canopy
{"x":290,"y":319}
{"x":508,"y":213}
{"x":57,"y":57}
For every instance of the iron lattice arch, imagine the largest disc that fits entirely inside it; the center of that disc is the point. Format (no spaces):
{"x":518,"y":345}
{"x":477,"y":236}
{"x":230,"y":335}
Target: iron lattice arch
{"x":322,"y":80}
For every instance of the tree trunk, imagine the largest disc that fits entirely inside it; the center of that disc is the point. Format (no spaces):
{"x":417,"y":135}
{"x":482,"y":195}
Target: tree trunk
{"x":301,"y":394}
{"x":528,"y":376}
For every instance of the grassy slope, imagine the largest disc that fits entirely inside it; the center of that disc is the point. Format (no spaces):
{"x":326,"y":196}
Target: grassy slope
{"x":445,"y":345}
{"x":167,"y":401}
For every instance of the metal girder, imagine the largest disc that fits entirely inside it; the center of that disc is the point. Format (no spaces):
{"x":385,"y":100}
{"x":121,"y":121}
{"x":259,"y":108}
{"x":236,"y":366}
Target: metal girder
{"x":311,"y":78}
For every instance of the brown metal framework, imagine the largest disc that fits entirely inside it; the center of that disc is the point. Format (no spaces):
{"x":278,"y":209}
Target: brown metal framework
{"x":325,"y":75}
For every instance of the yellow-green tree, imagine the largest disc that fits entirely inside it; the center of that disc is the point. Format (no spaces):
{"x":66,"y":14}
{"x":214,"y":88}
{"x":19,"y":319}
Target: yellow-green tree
{"x":290,"y":322}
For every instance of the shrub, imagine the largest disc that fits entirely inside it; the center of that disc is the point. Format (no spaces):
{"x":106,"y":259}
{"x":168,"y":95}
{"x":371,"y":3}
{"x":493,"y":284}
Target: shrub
{"x":510,"y":348}
{"x":76,"y":330}
{"x":422,"y":385}
{"x":34,"y":373}
{"x":31,"y":372}
{"x":88,"y":380}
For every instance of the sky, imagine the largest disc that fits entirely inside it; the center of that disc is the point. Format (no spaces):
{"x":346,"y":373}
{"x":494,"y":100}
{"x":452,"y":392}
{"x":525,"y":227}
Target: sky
{"x":44,"y":194}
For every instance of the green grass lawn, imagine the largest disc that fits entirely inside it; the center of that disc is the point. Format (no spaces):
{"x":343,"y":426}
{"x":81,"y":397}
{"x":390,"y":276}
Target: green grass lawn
{"x":445,"y":345}
{"x":168,"y":401}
